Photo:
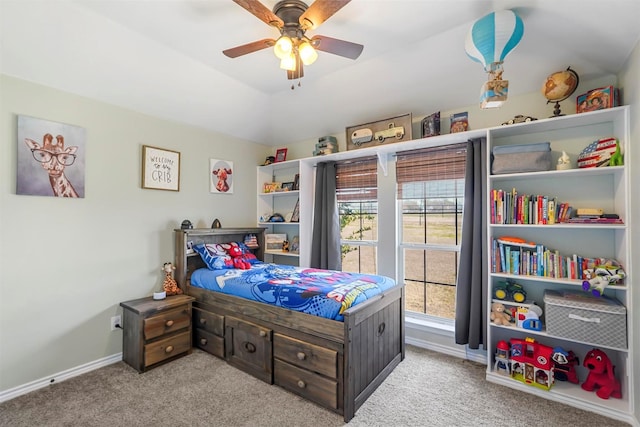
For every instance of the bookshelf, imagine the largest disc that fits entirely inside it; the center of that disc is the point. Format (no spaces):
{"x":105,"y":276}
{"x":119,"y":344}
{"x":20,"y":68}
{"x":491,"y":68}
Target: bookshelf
{"x":553,"y":260}
{"x":281,"y":202}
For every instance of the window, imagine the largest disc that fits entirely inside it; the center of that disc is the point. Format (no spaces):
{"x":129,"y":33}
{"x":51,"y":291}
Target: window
{"x":357,"y":196}
{"x":430,"y":194}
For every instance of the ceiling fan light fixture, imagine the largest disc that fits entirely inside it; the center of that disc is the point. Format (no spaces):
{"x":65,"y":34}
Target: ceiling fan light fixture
{"x":288,"y":62}
{"x":308,"y":54}
{"x":283,"y":47}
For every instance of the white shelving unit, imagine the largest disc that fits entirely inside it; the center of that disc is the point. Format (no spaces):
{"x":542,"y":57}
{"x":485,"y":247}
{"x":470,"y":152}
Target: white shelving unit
{"x":281,"y":202}
{"x":607,"y":188}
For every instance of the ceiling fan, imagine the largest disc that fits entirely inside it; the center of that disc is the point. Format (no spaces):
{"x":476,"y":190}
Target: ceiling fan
{"x":293,"y":18}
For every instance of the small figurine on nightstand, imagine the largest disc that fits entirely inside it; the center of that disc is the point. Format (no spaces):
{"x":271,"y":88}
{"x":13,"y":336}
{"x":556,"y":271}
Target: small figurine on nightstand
{"x":169,"y":285}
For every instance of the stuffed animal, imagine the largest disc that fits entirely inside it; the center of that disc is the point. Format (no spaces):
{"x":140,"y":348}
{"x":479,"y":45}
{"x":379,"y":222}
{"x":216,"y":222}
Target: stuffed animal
{"x":601,"y":375}
{"x":236,"y":254}
{"x":169,"y":285}
{"x":500,"y":315}
{"x":606,"y":272}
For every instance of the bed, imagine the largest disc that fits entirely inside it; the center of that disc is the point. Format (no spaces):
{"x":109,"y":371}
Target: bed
{"x":334,"y":357}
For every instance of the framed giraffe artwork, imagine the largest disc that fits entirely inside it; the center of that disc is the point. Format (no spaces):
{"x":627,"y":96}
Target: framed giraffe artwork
{"x":51,"y":158}
{"x":160,"y":169}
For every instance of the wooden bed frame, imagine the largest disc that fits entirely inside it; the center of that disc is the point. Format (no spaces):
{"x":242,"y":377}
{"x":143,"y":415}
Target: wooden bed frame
{"x":337,"y":365}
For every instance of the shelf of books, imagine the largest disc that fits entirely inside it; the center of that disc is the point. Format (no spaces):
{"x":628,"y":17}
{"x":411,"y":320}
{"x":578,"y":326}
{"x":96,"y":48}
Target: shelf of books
{"x":559,"y":242}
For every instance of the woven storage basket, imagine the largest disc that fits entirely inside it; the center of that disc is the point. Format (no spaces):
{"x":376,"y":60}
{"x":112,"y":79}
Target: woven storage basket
{"x":582,"y":317}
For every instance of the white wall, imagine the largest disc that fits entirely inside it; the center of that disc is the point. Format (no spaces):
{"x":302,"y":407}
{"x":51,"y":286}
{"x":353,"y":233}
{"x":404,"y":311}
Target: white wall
{"x":66,"y":264}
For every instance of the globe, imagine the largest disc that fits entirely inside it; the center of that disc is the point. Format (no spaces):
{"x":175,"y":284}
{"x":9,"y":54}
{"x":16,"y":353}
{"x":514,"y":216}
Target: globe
{"x":559,"y":86}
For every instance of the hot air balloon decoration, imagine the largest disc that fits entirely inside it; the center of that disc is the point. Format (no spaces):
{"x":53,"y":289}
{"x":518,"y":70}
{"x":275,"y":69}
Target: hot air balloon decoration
{"x":488,"y":42}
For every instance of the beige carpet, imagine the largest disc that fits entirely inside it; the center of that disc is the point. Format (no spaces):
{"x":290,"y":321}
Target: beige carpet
{"x":426,"y":389}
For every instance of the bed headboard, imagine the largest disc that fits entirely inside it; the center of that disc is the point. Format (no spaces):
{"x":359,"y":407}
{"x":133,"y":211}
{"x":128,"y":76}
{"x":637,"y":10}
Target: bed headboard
{"x":187,"y":263}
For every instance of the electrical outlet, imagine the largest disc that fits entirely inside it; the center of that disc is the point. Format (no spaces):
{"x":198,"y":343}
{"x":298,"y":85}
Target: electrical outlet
{"x":115,"y":320}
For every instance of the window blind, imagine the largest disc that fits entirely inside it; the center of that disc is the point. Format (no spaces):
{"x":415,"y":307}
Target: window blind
{"x":430,"y":164}
{"x":357,"y":180}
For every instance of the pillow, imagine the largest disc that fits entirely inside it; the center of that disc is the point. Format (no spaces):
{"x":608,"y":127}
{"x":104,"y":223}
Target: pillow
{"x":247,"y":254}
{"x":214,"y":256}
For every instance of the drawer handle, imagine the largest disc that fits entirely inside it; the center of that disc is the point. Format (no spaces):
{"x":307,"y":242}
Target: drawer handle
{"x":203,"y":321}
{"x":381,"y":328}
{"x":168,"y":323}
{"x":203,"y":341}
{"x":251,"y":348}
{"x":263,"y":333}
{"x":169,"y":349}
{"x":301,"y":384}
{"x":301,"y":356}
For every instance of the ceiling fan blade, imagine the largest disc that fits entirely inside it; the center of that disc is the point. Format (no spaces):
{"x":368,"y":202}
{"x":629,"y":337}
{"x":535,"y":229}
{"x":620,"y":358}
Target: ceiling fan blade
{"x":234,"y":52}
{"x":261,"y":12}
{"x":337,"y":46}
{"x":320,"y":11}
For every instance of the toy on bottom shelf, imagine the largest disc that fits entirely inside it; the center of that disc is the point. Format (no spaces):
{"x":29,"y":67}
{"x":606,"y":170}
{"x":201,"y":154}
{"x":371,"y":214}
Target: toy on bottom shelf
{"x":503,"y":364}
{"x":601,"y":375}
{"x":531,"y":362}
{"x":564,"y":365}
{"x":608,"y":272}
{"x":500,"y":315}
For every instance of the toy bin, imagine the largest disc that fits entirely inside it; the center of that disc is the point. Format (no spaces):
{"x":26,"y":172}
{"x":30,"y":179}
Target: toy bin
{"x":521,"y":158}
{"x":583,"y":317}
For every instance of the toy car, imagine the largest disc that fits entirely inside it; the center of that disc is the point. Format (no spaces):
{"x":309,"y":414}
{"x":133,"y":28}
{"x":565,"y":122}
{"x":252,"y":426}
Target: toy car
{"x":392,"y":131}
{"x":519,"y":119}
{"x":509,"y":291}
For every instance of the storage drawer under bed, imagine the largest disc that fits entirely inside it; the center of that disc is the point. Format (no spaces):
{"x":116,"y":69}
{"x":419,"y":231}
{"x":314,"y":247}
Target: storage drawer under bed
{"x":309,"y":385}
{"x":305,"y":355}
{"x":210,"y":322}
{"x":209,"y":342}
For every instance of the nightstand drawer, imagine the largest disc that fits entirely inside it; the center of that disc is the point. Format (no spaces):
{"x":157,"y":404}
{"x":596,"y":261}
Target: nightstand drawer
{"x":163,"y":349}
{"x":307,"y":384}
{"x":305,"y":355}
{"x":209,"y":342}
{"x":167,"y":322}
{"x":208,"y":321}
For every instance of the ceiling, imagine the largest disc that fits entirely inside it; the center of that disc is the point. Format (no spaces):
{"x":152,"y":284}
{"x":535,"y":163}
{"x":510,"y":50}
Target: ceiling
{"x":164,"y":58}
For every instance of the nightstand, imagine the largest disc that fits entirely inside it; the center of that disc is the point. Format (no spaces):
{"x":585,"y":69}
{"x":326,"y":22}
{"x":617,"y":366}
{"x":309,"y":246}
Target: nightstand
{"x":156,"y":331}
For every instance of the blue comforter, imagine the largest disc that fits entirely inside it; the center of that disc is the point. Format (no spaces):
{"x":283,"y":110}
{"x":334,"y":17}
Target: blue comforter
{"x":323,"y":293}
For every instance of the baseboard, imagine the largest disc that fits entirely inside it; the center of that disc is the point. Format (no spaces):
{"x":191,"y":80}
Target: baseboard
{"x":60,"y":376}
{"x":459,"y":351}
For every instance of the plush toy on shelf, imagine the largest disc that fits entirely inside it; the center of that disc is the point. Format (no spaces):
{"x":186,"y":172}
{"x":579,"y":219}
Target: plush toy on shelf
{"x":500,"y":315}
{"x":606,"y":273}
{"x":169,"y":285}
{"x":601,"y":375}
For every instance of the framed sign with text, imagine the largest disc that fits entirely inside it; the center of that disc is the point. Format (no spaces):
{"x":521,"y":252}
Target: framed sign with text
{"x":160,"y":169}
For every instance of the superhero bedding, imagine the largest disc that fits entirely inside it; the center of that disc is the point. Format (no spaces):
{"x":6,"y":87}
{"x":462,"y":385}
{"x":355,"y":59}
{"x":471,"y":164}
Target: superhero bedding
{"x":323,"y":293}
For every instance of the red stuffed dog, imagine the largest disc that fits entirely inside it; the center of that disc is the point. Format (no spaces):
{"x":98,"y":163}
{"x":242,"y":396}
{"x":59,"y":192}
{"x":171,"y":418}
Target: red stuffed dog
{"x":601,"y":375}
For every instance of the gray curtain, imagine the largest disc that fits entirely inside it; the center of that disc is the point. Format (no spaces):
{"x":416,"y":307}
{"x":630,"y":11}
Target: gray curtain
{"x":471,"y":290}
{"x":325,"y":243}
